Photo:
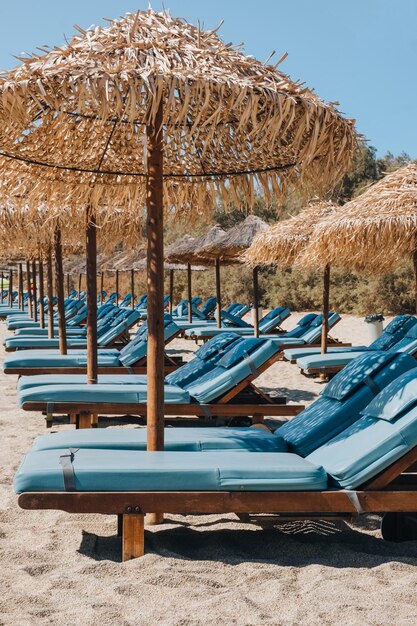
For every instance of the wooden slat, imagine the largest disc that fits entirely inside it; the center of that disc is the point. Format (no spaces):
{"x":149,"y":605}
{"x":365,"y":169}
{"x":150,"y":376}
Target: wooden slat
{"x":206,"y":502}
{"x":393,"y":471}
{"x":217,"y":410}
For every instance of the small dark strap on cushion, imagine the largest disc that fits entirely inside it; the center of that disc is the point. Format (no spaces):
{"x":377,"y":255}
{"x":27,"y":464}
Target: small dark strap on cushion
{"x":251,"y":365}
{"x":354,"y":499}
{"x":68,"y":469}
{"x":372,"y":385}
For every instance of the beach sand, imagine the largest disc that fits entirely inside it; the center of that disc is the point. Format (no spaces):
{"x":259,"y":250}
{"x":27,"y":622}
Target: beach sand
{"x":62,"y":569}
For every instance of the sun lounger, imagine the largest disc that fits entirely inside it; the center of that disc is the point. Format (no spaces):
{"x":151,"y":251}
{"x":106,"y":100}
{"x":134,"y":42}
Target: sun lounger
{"x":399,"y":336}
{"x":225,"y":391}
{"x":109,"y":337}
{"x":338,"y":407}
{"x":131,"y":359}
{"x":268,"y":324}
{"x":366,"y":468}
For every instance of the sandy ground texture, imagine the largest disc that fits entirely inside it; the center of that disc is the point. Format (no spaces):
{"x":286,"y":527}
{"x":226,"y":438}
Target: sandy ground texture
{"x":61,"y":569}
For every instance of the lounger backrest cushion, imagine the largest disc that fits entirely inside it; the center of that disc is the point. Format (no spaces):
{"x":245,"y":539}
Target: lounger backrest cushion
{"x":273,"y":319}
{"x":394,"y":332}
{"x":208,"y":306}
{"x":372,"y":444}
{"x":341,"y":406}
{"x":395,"y":399}
{"x":408,"y":343}
{"x":126,"y":323}
{"x":234,"y":320}
{"x":239,"y":363}
{"x":205,"y":359}
{"x":313,"y":334}
{"x":305,"y":324}
{"x":216,"y":346}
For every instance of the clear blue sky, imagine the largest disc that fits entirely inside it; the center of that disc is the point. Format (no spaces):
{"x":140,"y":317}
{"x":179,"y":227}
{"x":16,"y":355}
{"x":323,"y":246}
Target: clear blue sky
{"x":362,"y":53}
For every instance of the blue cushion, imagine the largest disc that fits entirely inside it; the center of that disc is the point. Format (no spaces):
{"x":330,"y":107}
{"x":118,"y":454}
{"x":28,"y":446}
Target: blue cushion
{"x":328,"y":416}
{"x":179,"y":439}
{"x":293,"y":354}
{"x":28,"y":359}
{"x":399,"y":396}
{"x":350,"y":379}
{"x":219,"y":380}
{"x":239,"y":351}
{"x":331,"y":359}
{"x":27,"y":382}
{"x":393,"y":332}
{"x":127,"y":470}
{"x":103,"y":393}
{"x":217,"y":345}
{"x":366,"y":448}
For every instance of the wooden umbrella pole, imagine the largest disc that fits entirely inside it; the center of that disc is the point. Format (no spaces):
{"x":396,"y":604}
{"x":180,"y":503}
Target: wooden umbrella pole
{"x":255,"y":302}
{"x":35,"y":292}
{"x":41,"y":295}
{"x":132,"y":286}
{"x":117,"y":287}
{"x":29,"y":289}
{"x":20,"y":287}
{"x":218,"y":294}
{"x":325,"y":322}
{"x":190,"y":294}
{"x":79,"y":285}
{"x":59,"y":284}
{"x":11,"y":287}
{"x":171,"y":290}
{"x":91,"y":278}
{"x":50,"y":293}
{"x":155,"y":280}
{"x":415,"y":276}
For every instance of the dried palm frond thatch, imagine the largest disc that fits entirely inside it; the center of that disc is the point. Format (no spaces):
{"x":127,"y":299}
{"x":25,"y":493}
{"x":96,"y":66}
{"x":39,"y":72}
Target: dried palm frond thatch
{"x":74,"y":118}
{"x":189,"y":249}
{"x":281,"y":243}
{"x":235,"y":240}
{"x":374,"y":231}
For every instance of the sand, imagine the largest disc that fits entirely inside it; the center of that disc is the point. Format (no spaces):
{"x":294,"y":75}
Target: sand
{"x":65,"y":569}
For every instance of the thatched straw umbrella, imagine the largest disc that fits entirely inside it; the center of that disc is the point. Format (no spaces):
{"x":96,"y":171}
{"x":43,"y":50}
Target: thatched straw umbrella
{"x":76,"y":120}
{"x":228,"y":249}
{"x":282,"y":244}
{"x":187,"y":251}
{"x":374,"y":231}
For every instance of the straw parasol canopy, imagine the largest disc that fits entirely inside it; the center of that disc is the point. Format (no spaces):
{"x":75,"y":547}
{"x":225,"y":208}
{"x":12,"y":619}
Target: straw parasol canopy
{"x":153,"y":112}
{"x":228,"y":247}
{"x":375,"y":230}
{"x":283,"y":243}
{"x":77,"y":113}
{"x":187,"y":250}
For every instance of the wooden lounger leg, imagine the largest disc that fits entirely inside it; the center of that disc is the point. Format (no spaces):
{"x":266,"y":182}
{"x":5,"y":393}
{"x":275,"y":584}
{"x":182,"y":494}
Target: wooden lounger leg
{"x":133,"y":536}
{"x":257,"y":418}
{"x":73,"y":418}
{"x":94,"y":420}
{"x":84,"y":420}
{"x":153,"y":519}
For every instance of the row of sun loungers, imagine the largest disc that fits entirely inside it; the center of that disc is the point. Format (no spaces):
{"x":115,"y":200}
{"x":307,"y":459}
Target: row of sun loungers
{"x":350,"y":452}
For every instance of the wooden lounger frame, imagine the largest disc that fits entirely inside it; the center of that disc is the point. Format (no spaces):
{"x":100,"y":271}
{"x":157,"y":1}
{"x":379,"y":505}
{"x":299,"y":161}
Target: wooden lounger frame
{"x":234,"y":403}
{"x":393,"y":490}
